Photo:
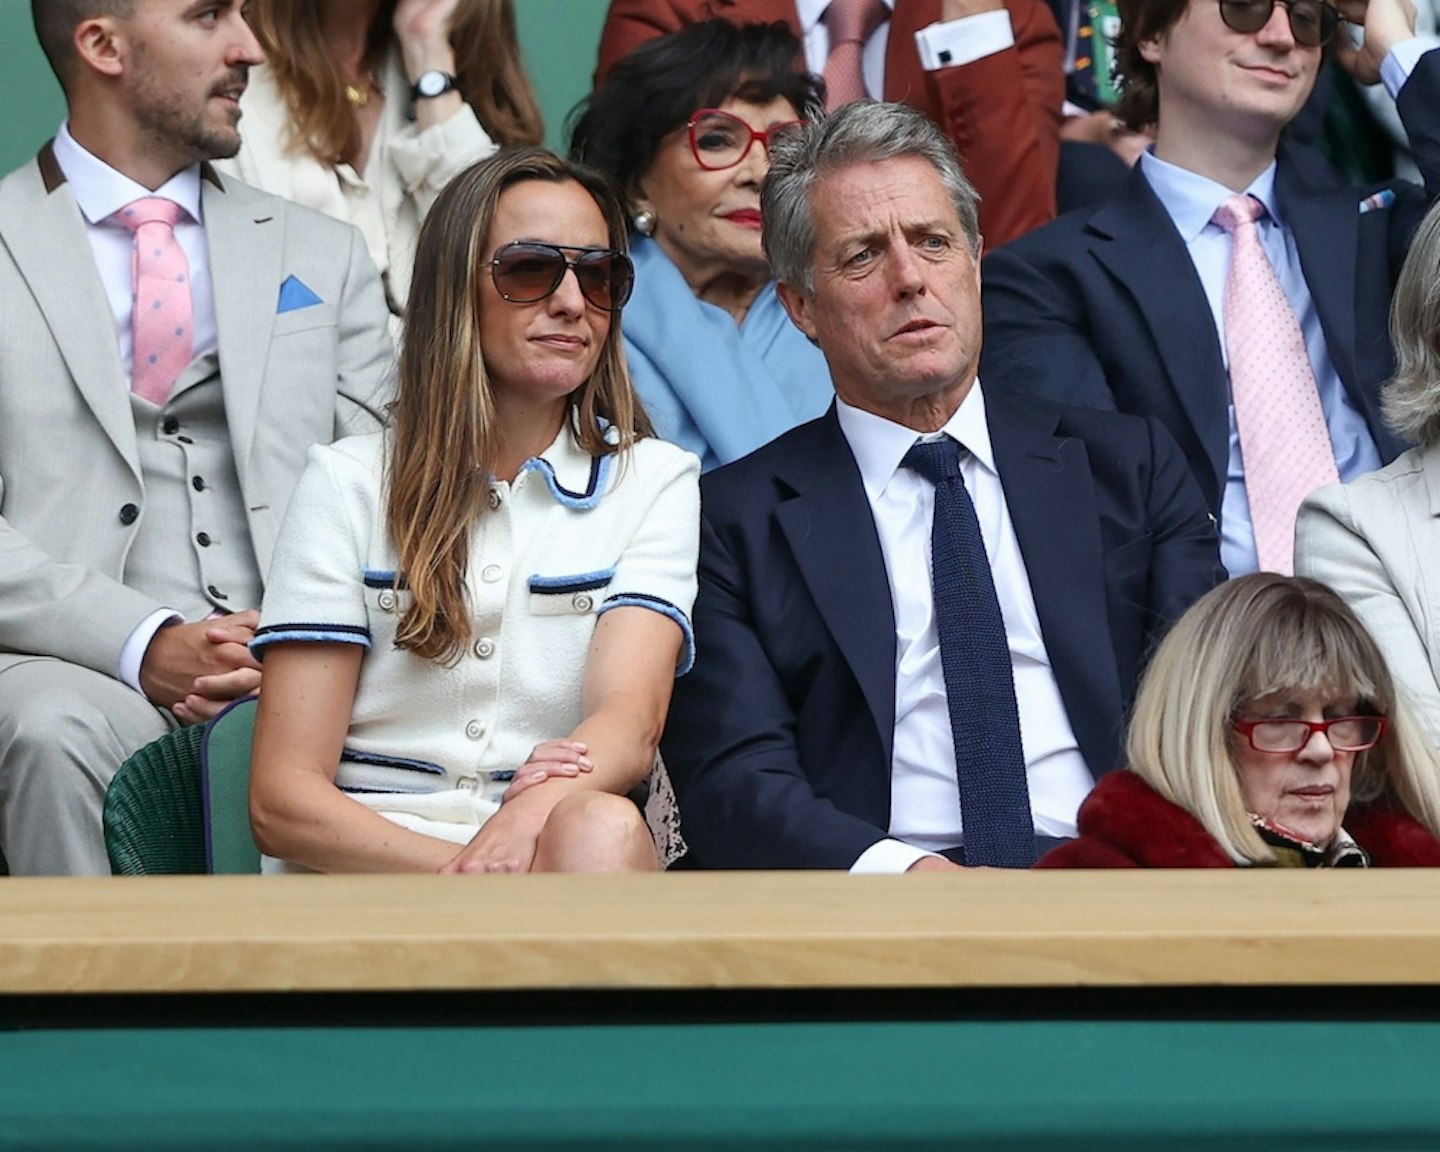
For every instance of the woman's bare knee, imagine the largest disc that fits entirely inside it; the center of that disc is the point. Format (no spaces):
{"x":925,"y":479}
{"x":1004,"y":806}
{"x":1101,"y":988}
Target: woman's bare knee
{"x":595,"y":832}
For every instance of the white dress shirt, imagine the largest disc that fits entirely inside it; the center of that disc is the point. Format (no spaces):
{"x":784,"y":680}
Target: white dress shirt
{"x":925,"y":812}
{"x":944,"y":44}
{"x":100,"y":192}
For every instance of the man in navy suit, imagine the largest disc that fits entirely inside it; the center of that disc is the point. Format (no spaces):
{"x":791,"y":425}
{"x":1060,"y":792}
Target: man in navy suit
{"x":1122,"y":306}
{"x":815,"y":729}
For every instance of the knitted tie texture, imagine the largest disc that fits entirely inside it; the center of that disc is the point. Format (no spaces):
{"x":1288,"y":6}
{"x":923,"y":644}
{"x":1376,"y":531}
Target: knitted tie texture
{"x":850,"y":23}
{"x":161,"y":317}
{"x":975,"y":661}
{"x":1284,"y":441}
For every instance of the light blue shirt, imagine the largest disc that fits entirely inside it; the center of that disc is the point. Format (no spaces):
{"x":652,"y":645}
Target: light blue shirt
{"x":1191,"y":200}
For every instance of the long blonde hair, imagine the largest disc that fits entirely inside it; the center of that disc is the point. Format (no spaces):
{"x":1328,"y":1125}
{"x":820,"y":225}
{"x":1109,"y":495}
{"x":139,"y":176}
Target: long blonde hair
{"x":1247,"y":639}
{"x":487,"y":58}
{"x":444,"y":441}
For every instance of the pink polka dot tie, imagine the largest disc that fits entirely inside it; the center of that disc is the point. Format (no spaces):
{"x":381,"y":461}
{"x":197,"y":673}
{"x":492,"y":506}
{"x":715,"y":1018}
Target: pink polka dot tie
{"x":850,"y":23}
{"x":1284,"y":442}
{"x":161,"y":316}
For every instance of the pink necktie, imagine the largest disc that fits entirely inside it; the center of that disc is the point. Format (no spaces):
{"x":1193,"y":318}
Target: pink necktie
{"x":1284,"y":442}
{"x":850,"y":23}
{"x":160,"y":316}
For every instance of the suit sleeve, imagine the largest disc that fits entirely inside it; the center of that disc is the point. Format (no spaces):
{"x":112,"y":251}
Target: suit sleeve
{"x":630,"y":23}
{"x":1332,"y":546}
{"x":1003,"y":114}
{"x":1185,"y":556}
{"x":365,"y":354}
{"x":1038,"y":336}
{"x":69,"y":611}
{"x":730,"y":744}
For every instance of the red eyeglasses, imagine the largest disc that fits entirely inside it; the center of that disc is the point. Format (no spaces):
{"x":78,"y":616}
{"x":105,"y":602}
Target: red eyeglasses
{"x":1345,"y":733}
{"x":719,"y":140}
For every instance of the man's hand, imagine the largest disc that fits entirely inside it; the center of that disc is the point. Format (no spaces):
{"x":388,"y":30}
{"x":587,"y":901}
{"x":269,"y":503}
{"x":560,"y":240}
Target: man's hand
{"x":934,"y":864}
{"x":1386,"y":23}
{"x":1103,"y":128}
{"x":196,"y":669}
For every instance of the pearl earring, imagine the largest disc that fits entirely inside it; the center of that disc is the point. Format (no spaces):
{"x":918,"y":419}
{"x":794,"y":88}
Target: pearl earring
{"x":644,"y":222}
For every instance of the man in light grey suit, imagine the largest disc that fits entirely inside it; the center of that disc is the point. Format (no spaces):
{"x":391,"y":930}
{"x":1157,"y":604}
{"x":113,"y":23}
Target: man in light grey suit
{"x":135,"y":529}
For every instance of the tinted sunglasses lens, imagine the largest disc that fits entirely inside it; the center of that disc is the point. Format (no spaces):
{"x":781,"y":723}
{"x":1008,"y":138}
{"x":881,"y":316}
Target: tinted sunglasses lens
{"x":1246,"y":15}
{"x":1312,"y":24}
{"x":605,"y":279}
{"x":525,"y":273}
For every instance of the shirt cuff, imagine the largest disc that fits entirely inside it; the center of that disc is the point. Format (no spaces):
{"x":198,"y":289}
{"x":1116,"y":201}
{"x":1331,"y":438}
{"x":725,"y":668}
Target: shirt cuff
{"x":1401,"y":60}
{"x":132,"y":652}
{"x":951,"y":43}
{"x":888,"y":858}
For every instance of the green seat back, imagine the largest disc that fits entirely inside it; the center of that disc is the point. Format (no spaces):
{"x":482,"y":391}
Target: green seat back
{"x":154,"y":817}
{"x":225,"y":776}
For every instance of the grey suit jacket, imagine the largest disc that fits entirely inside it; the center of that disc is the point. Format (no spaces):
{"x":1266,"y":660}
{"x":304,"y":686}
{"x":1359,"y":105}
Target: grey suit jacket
{"x":1376,"y":541}
{"x":68,"y":455}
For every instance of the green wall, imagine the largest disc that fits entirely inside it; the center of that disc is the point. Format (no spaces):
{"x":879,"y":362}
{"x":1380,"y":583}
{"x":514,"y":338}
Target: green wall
{"x":558,"y":38}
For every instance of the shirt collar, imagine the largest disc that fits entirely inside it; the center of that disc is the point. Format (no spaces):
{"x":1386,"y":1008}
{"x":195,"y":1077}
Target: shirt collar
{"x":880,"y":444}
{"x":811,"y":12}
{"x":1191,"y":199}
{"x":101,"y":191}
{"x":575,"y":479}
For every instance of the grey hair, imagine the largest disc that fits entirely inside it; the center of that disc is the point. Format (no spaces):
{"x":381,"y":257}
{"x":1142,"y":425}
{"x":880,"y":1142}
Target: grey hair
{"x":1411,"y":398}
{"x":860,"y":133}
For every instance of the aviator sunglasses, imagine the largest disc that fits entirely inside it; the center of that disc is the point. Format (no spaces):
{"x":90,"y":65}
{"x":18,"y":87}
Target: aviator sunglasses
{"x":1312,"y":22}
{"x":527,"y":271}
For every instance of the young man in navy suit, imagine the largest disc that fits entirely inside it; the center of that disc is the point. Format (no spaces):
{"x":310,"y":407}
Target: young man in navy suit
{"x":1124,"y":306}
{"x":831,"y":716}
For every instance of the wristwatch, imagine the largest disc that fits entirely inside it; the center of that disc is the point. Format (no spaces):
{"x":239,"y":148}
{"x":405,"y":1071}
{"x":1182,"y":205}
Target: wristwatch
{"x":433,"y":83}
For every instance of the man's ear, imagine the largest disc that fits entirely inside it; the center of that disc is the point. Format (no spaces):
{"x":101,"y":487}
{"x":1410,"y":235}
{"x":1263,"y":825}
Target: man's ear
{"x":100,"y":46}
{"x":797,"y":306}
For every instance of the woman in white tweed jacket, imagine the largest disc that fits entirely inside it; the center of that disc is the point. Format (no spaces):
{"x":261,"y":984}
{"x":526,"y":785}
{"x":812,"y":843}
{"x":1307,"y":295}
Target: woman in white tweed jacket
{"x":474,"y":619}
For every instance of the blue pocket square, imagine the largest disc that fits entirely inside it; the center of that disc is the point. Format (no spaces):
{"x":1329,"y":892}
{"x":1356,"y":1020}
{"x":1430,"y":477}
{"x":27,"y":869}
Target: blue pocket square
{"x":295,"y":294}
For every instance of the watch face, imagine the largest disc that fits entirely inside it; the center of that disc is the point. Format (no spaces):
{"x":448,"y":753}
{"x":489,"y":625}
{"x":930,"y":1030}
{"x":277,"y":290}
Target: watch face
{"x":432,"y":83}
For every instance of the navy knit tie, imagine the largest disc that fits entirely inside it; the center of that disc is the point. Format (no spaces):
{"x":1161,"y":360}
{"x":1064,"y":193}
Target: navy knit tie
{"x":975,"y":659}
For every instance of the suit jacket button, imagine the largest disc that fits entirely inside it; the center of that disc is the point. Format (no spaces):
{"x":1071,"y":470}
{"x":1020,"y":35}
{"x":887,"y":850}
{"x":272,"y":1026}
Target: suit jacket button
{"x":203,"y":539}
{"x":129,"y":513}
{"x":169,"y":425}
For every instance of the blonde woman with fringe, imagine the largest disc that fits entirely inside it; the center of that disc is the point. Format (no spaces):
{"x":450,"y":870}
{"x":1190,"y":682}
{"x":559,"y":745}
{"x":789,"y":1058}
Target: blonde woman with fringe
{"x":1266,"y":732}
{"x":473,"y":620}
{"x":365,"y":109}
{"x":1376,"y":540}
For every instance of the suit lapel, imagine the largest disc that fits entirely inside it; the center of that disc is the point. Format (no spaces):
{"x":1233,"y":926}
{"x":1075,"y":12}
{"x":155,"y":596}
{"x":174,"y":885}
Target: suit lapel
{"x":831,"y":532}
{"x":246,"y":242}
{"x":43,"y":229}
{"x":1050,"y":494}
{"x":1326,"y":226}
{"x":1138,"y":244}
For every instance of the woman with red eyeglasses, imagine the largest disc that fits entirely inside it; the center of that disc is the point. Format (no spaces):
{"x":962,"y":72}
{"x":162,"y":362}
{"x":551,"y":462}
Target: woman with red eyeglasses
{"x":473,"y":619}
{"x":1266,"y":732}
{"x":683,"y":125}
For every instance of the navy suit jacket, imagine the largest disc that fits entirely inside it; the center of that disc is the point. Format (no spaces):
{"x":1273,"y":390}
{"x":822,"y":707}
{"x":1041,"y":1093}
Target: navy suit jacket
{"x":779,"y":740}
{"x":1103,"y":307}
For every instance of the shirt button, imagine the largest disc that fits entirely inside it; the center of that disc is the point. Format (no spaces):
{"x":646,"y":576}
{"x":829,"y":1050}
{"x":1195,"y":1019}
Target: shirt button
{"x":169,"y":425}
{"x":387,"y":599}
{"x":129,"y":513}
{"x":490,"y":573}
{"x":484,"y":648}
{"x":203,"y":539}
{"x":468,"y":783}
{"x":475,"y":730}
{"x":495,"y":499}
{"x":583,"y":601}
